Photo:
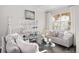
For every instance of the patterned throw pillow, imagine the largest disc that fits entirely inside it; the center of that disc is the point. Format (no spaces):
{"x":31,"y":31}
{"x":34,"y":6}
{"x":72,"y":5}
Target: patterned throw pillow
{"x":54,"y":34}
{"x":60,"y":34}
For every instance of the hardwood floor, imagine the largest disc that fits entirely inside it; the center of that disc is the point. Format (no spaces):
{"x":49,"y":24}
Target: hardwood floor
{"x":58,"y":49}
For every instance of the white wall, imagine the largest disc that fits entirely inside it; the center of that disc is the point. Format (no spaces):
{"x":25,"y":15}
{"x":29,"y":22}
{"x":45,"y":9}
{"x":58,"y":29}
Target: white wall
{"x":18,"y":12}
{"x":75,"y":11}
{"x":3,"y":24}
{"x":73,"y":22}
{"x":40,"y":16}
{"x":75,"y":26}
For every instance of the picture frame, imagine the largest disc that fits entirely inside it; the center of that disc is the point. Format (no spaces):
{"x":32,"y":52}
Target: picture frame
{"x":29,"y":15}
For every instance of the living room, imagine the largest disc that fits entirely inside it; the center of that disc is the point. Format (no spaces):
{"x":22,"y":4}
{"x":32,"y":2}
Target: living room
{"x":52,"y":28}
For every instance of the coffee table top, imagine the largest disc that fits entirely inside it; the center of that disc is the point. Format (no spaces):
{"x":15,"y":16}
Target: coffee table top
{"x":44,"y":47}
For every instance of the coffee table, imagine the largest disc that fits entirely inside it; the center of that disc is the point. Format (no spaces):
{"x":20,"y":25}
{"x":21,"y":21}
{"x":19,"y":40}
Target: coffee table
{"x":47,"y":45}
{"x":48,"y":49}
{"x":48,"y":41}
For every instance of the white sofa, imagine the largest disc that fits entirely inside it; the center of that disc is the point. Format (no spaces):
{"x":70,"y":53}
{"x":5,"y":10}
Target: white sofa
{"x":62,"y":38}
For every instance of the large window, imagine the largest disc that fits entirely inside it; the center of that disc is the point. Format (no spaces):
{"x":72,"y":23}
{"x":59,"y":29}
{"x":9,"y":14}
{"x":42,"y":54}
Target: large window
{"x":61,"y":21}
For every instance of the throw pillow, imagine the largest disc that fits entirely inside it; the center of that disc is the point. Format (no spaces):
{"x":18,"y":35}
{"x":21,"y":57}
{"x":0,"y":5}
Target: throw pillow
{"x":60,"y":34}
{"x":54,"y":34}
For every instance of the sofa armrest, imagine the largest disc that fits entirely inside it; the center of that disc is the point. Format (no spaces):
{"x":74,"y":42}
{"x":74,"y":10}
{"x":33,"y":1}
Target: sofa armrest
{"x":69,"y":39}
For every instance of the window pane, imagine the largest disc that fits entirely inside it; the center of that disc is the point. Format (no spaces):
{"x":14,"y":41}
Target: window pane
{"x":61,"y":22}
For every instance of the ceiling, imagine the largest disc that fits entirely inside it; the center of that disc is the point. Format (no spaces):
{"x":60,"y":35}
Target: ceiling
{"x":40,"y":7}
{"x":49,"y":7}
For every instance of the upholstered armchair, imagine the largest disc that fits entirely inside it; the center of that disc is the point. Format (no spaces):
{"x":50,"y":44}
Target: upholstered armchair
{"x":14,"y":43}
